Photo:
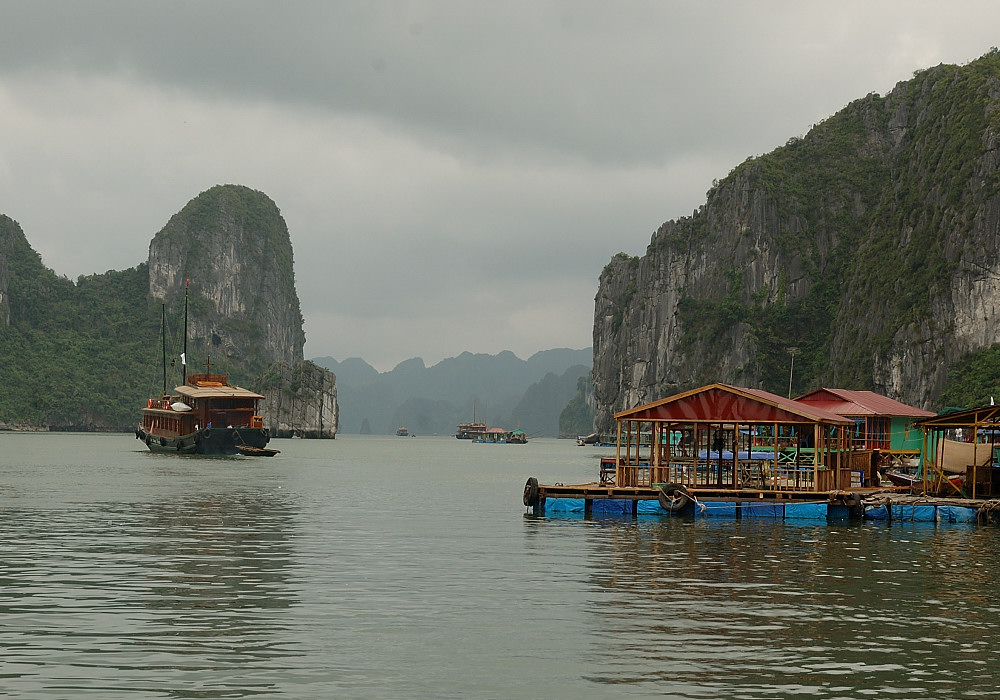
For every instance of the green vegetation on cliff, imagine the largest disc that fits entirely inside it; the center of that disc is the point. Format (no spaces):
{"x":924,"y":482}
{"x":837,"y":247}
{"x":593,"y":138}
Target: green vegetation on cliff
{"x":974,"y":380}
{"x":87,"y":355}
{"x":76,"y":356}
{"x":860,"y":247}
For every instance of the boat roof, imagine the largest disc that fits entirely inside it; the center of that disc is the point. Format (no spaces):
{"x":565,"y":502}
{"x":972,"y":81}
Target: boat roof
{"x":848,"y":402}
{"x":722,"y":403}
{"x":216,"y":391}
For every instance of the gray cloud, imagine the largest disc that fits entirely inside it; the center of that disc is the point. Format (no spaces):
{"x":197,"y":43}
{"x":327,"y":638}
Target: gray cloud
{"x":454,"y":174}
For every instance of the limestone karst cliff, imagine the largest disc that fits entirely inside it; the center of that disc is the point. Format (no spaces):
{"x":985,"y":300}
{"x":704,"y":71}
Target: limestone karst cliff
{"x":231,"y":247}
{"x":868,"y":250}
{"x":86,"y":355}
{"x":232,"y":244}
{"x":300,"y":400}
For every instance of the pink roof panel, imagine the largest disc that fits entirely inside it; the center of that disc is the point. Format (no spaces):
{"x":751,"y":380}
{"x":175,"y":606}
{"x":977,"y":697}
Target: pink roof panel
{"x":848,"y":402}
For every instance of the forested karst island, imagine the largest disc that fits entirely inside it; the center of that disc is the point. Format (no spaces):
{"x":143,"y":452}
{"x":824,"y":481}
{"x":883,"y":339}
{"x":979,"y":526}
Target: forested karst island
{"x":85,"y":355}
{"x":868,"y":250}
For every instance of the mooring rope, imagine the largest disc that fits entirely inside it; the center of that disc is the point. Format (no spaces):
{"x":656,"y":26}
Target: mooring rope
{"x":756,"y":504}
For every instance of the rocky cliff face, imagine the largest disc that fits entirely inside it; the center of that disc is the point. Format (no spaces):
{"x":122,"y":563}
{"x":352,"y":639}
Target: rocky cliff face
{"x":10,"y":234}
{"x":869,"y":250}
{"x":86,"y":355}
{"x":300,"y":400}
{"x":233,"y":245}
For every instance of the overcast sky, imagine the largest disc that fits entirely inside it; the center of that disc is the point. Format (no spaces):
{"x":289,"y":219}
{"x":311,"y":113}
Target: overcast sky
{"x":454,"y":175}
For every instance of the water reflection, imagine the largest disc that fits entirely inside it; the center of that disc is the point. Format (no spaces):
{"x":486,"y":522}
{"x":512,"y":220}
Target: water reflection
{"x":754,"y":609}
{"x":147,"y":594}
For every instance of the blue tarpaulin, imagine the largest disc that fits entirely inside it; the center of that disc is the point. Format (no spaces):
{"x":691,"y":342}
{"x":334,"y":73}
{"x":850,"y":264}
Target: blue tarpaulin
{"x":714,"y":509}
{"x":649,"y":508}
{"x":807,"y":511}
{"x":924,"y":514}
{"x":876,"y":513}
{"x":753,"y":509}
{"x":564,"y":505}
{"x":956,"y":514}
{"x":608,"y":506}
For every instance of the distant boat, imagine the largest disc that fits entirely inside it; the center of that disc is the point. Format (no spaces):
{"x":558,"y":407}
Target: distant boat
{"x":502,"y":436}
{"x":517,"y":437}
{"x":473,"y":430}
{"x":470,"y":431}
{"x":493,"y":436}
{"x":402,"y":431}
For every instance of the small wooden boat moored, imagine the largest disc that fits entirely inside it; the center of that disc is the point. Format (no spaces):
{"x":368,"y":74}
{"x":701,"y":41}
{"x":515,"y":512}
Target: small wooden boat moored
{"x":901,"y":479}
{"x":251,"y":451}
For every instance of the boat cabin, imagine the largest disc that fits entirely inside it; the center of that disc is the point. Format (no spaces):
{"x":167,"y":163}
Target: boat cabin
{"x":880,"y":424}
{"x":206,"y":401}
{"x":722,"y":439}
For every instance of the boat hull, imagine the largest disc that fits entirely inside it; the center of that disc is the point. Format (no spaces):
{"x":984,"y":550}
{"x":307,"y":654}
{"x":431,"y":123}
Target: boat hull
{"x":913,"y":480}
{"x":207,"y":441}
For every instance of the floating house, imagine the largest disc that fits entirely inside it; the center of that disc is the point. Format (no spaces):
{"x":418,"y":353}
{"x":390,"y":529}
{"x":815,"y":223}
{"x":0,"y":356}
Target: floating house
{"x":722,"y":437}
{"x":881,"y":424}
{"x":725,"y":448}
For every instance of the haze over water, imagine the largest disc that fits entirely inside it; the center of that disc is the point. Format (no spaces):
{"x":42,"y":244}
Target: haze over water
{"x":384,"y":567}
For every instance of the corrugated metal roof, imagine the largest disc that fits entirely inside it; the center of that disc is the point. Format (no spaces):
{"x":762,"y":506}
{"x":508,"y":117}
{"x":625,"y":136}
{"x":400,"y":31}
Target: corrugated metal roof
{"x":849,"y":402}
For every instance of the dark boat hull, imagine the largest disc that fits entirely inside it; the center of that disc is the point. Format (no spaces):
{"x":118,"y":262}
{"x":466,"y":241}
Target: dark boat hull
{"x":207,"y":441}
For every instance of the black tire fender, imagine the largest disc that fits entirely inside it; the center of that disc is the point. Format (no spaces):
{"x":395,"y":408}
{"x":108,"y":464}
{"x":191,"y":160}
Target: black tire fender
{"x":673,"y":497}
{"x":530,"y":491}
{"x":206,"y":433}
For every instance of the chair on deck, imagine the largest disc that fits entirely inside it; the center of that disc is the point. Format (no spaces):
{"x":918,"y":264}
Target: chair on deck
{"x":609,"y":467}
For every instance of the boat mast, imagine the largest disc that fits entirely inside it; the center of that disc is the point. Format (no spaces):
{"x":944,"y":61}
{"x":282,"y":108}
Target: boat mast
{"x":163,"y":340}
{"x":184,"y":356}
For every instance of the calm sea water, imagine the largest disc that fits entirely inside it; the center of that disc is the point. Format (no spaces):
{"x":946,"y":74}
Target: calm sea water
{"x":385,"y":567}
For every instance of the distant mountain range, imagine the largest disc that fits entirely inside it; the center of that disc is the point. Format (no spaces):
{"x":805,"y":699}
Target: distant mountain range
{"x":501,"y":390}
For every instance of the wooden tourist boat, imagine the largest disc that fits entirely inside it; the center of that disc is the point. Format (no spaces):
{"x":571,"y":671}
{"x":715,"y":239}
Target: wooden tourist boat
{"x":204,"y":415}
{"x":207,"y":415}
{"x":470,"y":431}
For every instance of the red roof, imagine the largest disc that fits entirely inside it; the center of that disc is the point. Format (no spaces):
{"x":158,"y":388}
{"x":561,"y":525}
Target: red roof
{"x":721,"y":403}
{"x":847,"y":402}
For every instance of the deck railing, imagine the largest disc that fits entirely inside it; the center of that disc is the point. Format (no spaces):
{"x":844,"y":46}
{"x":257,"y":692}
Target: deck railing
{"x":750,"y":474}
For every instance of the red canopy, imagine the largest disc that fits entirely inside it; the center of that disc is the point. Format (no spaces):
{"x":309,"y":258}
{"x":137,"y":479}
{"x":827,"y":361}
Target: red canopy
{"x":722,"y":403}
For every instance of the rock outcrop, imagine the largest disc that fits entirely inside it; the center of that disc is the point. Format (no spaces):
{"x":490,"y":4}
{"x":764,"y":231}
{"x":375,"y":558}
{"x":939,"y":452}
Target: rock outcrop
{"x":300,"y":400}
{"x":232,"y":244}
{"x":868,"y":251}
{"x":85,"y":355}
